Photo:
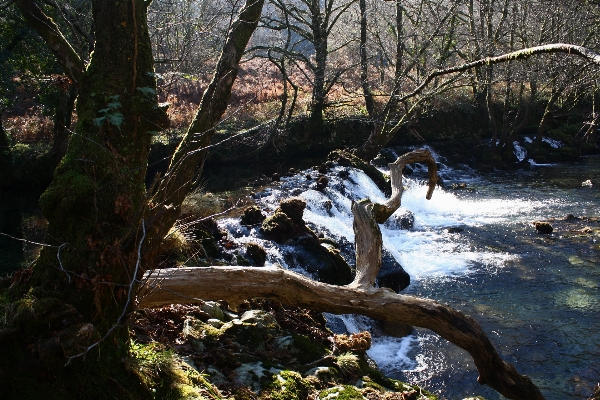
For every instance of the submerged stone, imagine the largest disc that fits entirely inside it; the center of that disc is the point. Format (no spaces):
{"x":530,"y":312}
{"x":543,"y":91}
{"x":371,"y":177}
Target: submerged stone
{"x":543,"y":227}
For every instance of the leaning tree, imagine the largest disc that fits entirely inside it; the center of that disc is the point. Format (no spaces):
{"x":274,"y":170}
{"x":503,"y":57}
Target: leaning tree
{"x":68,"y":311}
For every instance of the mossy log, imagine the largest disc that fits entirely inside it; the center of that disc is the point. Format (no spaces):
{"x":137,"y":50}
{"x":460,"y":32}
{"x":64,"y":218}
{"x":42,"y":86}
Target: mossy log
{"x":235,"y":284}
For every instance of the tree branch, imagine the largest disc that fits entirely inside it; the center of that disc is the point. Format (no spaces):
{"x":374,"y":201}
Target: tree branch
{"x":515,"y":55}
{"x":235,"y":284}
{"x":67,"y":57}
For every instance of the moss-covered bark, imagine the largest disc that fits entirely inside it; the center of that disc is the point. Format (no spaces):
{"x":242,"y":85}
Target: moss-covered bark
{"x":93,"y":206}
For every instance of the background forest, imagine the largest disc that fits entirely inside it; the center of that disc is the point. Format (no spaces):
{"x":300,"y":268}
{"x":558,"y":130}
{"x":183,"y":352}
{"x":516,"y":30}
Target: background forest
{"x":122,"y":112}
{"x":324,"y":75}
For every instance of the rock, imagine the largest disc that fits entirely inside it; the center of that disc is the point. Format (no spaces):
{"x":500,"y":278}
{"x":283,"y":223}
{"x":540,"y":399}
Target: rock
{"x":454,"y":229}
{"x":344,"y":162}
{"x":256,"y":253}
{"x":325,"y":263}
{"x":392,"y":275}
{"x":322,"y":182}
{"x":543,"y":227}
{"x":275,"y":177}
{"x":260,"y":318}
{"x":459,"y":186}
{"x":380,"y":161}
{"x":213,"y":309}
{"x":308,"y":177}
{"x":322,"y":169}
{"x":250,"y":374}
{"x":278,"y":227}
{"x":571,"y":217}
{"x":252,"y":216}
{"x":401,"y":219}
{"x":344,"y":174}
{"x":284,"y":343}
{"x":216,"y":377}
{"x":294,"y":209}
{"x":329,"y":164}
{"x":395,"y":329}
{"x":215,"y":322}
{"x":292,"y":171}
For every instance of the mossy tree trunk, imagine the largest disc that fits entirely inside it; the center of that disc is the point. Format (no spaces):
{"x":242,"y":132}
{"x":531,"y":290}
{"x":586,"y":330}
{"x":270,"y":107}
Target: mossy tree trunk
{"x":95,"y":203}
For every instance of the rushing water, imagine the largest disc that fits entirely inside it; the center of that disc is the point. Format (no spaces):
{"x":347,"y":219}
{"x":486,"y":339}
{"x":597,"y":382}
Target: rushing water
{"x":536,"y":296}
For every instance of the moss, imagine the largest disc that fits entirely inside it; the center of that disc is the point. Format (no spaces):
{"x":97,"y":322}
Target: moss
{"x":289,"y":385}
{"x":345,"y":392}
{"x":308,"y":350}
{"x":278,"y":227}
{"x":256,"y":253}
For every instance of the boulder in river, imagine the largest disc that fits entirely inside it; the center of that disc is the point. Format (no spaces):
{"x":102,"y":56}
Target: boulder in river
{"x":543,"y":227}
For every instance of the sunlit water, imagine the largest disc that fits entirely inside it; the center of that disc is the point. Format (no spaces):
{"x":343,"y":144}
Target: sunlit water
{"x":536,"y":296}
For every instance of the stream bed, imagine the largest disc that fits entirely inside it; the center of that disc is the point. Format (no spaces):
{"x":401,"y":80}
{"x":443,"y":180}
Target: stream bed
{"x":536,"y":296}
{"x":475,"y":249}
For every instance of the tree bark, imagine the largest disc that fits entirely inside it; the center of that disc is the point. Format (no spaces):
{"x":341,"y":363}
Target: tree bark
{"x":188,"y":160}
{"x":364,"y":61}
{"x":68,"y":58}
{"x":235,"y":284}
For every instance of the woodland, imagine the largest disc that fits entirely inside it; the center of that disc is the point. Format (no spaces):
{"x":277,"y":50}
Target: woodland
{"x":114,"y":112}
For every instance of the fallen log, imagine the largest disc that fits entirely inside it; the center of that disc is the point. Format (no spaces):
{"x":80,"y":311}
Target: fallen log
{"x":236,"y":284}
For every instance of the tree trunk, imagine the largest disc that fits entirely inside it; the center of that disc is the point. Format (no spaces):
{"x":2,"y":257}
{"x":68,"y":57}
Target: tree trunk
{"x":79,"y":289}
{"x":364,"y":63}
{"x":236,"y":284}
{"x":5,"y":157}
{"x":188,"y":160}
{"x":62,"y":122}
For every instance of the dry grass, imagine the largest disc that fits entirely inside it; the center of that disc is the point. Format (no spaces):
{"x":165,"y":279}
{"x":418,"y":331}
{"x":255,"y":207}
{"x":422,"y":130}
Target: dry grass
{"x":31,"y":127}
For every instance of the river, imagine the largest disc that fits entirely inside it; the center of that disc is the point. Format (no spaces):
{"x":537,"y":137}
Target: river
{"x":536,"y":296}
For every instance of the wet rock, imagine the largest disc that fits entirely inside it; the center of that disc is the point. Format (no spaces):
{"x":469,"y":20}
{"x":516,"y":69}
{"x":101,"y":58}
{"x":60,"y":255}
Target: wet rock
{"x":454,"y":229}
{"x":392,"y":275}
{"x":213,"y":309}
{"x":329,"y":164}
{"x":294,"y":209}
{"x":401,"y":219}
{"x":322,"y":169}
{"x":256,"y":253}
{"x":571,"y":217}
{"x":543,"y":227}
{"x":325,"y":263}
{"x":344,"y":174}
{"x":588,"y":183}
{"x":459,"y":186}
{"x":395,"y":329}
{"x":278,"y":227}
{"x":292,"y":171}
{"x":322,"y":183}
{"x":260,"y":318}
{"x":275,"y":177}
{"x":252,"y":216}
{"x":308,"y":177}
{"x":380,"y":161}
